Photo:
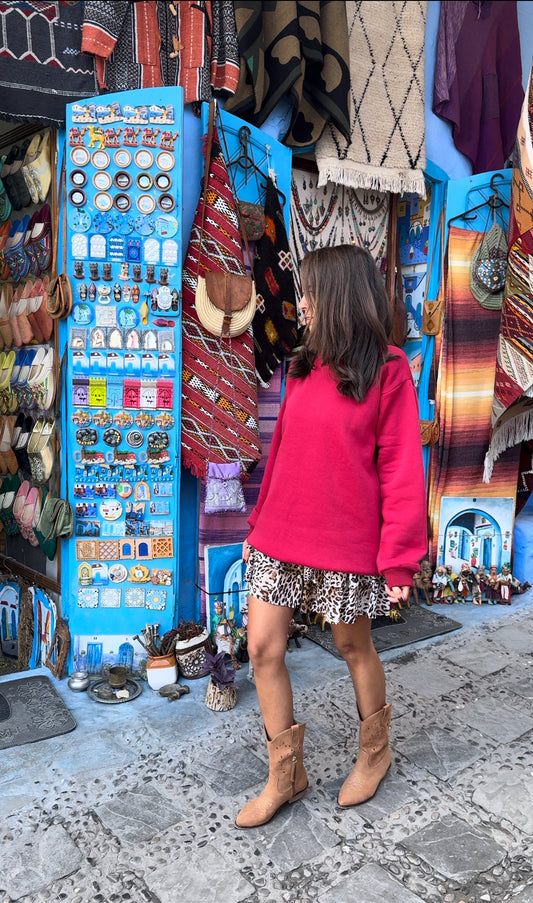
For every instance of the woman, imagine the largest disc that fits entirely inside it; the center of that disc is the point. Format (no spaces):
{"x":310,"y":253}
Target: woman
{"x":340,"y":522}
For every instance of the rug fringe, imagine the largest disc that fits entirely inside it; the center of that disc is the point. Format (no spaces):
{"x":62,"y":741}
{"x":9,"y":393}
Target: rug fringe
{"x":375,"y":177}
{"x":519,"y":429}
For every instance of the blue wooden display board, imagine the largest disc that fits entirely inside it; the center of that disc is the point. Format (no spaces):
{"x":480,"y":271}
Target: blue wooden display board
{"x":123,"y":202}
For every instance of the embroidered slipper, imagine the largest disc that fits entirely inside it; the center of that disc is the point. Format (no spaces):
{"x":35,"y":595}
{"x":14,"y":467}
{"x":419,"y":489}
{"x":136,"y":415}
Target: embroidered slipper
{"x":21,"y":313}
{"x":42,"y":458}
{"x":48,"y":546}
{"x":38,"y":170}
{"x":41,"y":238}
{"x":21,"y":445}
{"x":28,"y":530}
{"x":8,"y":500}
{"x":42,"y":380}
{"x":29,"y":159}
{"x":20,"y":501}
{"x":34,"y":267}
{"x":40,"y":319}
{"x":6,"y":450}
{"x":14,"y":254}
{"x":20,"y":373}
{"x":34,"y":302}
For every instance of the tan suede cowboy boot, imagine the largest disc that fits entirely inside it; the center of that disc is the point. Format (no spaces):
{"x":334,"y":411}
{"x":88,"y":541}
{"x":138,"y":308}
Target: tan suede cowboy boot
{"x":287,"y":780}
{"x":373,"y":761}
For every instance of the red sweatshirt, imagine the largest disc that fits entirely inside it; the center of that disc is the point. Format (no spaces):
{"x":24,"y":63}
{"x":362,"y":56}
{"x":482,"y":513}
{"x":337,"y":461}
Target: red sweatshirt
{"x":344,"y":486}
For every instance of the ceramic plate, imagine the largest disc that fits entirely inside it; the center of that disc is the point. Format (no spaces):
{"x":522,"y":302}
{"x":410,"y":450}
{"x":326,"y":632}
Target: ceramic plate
{"x":122,"y":158}
{"x":165,"y":161}
{"x":146,"y":203}
{"x":80,"y":156}
{"x":100,"y":159}
{"x":102,"y":180}
{"x":144,"y":159}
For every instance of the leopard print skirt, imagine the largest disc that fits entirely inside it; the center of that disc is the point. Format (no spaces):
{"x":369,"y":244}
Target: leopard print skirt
{"x":338,"y":596}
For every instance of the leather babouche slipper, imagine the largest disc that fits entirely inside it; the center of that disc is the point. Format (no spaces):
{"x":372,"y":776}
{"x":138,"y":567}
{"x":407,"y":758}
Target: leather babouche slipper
{"x":36,"y":168}
{"x":42,"y":380}
{"x":7,"y":455}
{"x":42,"y":453}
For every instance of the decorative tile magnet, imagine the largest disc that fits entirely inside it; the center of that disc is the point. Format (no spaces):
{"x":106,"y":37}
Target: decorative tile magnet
{"x":156,"y":599}
{"x":162,"y":547}
{"x":88,"y":597}
{"x":134,"y":597}
{"x":86,"y":548}
{"x":110,"y":597}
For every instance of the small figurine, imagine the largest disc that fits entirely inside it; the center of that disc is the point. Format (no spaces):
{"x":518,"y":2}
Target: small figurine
{"x":422,"y":583}
{"x":479,"y":585}
{"x":463,"y":583}
{"x":505,"y":585}
{"x":492,"y":591}
{"x":294,"y":633}
{"x":439,"y":581}
{"x":449,"y":594}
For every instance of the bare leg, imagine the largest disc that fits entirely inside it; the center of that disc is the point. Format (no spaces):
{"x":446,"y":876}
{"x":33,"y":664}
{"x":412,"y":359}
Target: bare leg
{"x":355,"y":644}
{"x":267,"y":645}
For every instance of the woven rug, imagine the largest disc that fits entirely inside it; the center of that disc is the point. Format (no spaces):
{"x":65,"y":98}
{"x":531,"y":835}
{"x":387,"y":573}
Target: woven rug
{"x":387,"y":128}
{"x":219,"y":386}
{"x":31,"y":709}
{"x":512,"y":408}
{"x":416,"y":624}
{"x":463,"y":400}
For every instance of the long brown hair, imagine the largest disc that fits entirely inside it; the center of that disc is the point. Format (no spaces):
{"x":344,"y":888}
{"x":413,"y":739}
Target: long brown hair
{"x":352,"y":318}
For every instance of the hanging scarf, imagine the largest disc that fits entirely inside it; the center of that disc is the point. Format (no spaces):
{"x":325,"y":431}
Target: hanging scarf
{"x":219,"y":386}
{"x":275,"y":324}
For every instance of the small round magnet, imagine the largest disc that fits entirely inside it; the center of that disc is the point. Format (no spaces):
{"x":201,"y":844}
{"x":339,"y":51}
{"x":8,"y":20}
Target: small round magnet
{"x":144,"y":181}
{"x":163,"y":181}
{"x":166,"y":203}
{"x":112,"y":437}
{"x":144,"y":159}
{"x":100,"y":159}
{"x":135,"y":438}
{"x":122,"y":158}
{"x":80,"y":156}
{"x":77,"y":197}
{"x":103,"y":201}
{"x":124,"y":489}
{"x":165,"y":161}
{"x":122,"y":202}
{"x":111,"y":509}
{"x":122,"y":179}
{"x":146,"y":203}
{"x":102,"y":180}
{"x":78,"y":178}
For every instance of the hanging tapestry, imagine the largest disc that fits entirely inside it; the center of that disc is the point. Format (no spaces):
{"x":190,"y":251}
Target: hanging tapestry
{"x":219,"y":386}
{"x":275,"y":325}
{"x":386,"y":146}
{"x":512,"y":407}
{"x":42,"y":67}
{"x":467,"y":362}
{"x":478,"y":79}
{"x":336,"y":215}
{"x":221,"y":529}
{"x":297,"y":50}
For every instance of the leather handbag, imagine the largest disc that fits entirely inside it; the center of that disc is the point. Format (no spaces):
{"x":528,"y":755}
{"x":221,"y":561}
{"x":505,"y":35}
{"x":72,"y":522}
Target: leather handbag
{"x":433,"y":309}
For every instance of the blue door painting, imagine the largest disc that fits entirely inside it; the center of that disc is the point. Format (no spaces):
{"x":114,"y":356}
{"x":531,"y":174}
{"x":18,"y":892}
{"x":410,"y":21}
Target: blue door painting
{"x":224,"y":581}
{"x":477,"y":531}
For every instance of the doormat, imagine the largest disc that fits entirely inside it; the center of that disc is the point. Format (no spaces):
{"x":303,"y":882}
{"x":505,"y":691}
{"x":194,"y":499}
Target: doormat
{"x":31,"y":709}
{"x":416,"y":624}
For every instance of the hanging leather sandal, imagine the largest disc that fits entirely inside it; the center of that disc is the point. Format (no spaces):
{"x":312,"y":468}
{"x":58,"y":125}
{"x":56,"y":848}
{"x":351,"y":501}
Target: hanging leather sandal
{"x":372,"y":763}
{"x":287,"y":781}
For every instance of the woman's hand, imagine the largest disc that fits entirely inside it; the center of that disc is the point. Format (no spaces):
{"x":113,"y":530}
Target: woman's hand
{"x":245,"y":551}
{"x":398,"y":593}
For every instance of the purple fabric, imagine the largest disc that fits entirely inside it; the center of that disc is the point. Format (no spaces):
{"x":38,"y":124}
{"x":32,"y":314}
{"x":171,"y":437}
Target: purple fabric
{"x":478,"y":78}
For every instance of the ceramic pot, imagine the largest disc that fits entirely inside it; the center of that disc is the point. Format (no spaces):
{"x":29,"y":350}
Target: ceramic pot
{"x":190,"y":655}
{"x":220,"y":700}
{"x":161,"y":670}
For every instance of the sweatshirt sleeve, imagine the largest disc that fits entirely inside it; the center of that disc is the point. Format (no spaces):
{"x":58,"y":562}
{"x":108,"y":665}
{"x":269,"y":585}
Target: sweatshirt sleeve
{"x":400,"y":465}
{"x":271,"y":460}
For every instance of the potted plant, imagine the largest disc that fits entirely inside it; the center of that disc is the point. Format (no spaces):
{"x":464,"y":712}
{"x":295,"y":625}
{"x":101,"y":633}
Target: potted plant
{"x":191,"y":644}
{"x":221,"y":692}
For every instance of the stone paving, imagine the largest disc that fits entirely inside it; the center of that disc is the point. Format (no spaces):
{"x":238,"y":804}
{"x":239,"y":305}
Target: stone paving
{"x":137,"y":804}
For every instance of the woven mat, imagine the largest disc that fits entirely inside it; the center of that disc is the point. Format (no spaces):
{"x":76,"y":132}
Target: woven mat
{"x":30,"y":710}
{"x":416,"y":624}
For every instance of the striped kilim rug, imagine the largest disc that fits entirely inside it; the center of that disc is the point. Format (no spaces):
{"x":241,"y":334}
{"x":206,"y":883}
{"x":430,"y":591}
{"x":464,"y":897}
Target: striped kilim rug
{"x":512,"y":409}
{"x":386,"y":150}
{"x":219,"y":385}
{"x":464,"y":393}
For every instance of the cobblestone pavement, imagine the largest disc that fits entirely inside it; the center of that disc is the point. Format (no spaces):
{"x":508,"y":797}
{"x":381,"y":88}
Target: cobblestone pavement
{"x":138,"y":803}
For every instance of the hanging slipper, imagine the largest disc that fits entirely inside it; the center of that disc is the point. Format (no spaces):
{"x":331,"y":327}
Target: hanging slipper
{"x":21,"y":446}
{"x":38,"y":170}
{"x":48,"y":546}
{"x":16,"y":175}
{"x":41,"y":321}
{"x":34,"y":267}
{"x":9,"y":183}
{"x":10,"y":487}
{"x":6,"y":450}
{"x":29,"y":159}
{"x":42,"y":380}
{"x":14,"y":253}
{"x":41,"y":238}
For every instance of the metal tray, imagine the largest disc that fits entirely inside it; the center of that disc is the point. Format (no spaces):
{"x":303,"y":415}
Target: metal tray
{"x":133,"y":686}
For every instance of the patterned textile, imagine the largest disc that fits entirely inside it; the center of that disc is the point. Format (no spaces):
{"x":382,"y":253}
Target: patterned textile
{"x":233,"y":527}
{"x":275,"y":325}
{"x":208,"y":60}
{"x":335,"y":215}
{"x":512,"y":408}
{"x":386,"y":146}
{"x":467,"y":362}
{"x":219,"y":387}
{"x":294,"y":49}
{"x":478,"y":79}
{"x":124,"y":40}
{"x":42,"y":67}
